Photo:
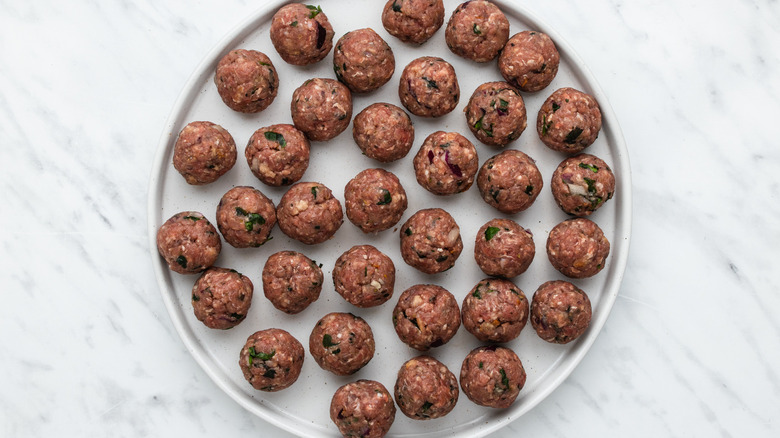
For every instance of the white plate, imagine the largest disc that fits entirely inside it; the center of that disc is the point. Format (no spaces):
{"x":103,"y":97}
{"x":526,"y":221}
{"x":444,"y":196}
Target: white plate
{"x":303,"y":408}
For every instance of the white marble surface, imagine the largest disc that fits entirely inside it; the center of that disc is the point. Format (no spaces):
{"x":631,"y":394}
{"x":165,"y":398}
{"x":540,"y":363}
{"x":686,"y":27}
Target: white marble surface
{"x":691,"y":347}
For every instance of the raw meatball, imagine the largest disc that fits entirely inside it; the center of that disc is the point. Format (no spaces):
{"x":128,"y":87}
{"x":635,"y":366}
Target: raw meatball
{"x":496,"y":113}
{"x":503,"y":248}
{"x":221,"y":298}
{"x":363,"y":61}
{"x":245,"y":217}
{"x":383,"y":132}
{"x":426,"y":316}
{"x":577,"y":248}
{"x":560,"y":312}
{"x":362,"y":409}
{"x":510,"y":181}
{"x":301,"y":33}
{"x":375,"y":200}
{"x":495,"y":310}
{"x":430,"y":241}
{"x":569,"y":120}
{"x":429,"y":87}
{"x":446,"y":163}
{"x":364,"y":276}
{"x":278,"y":155}
{"x":321,"y":108}
{"x":492,"y":376}
{"x":581,"y":184}
{"x":413,"y":21}
{"x":309,"y":213}
{"x":425,"y":389}
{"x":477,"y":30}
{"x":246,"y":80}
{"x":188,"y":242}
{"x":529,"y":61}
{"x":203,"y":152}
{"x":271,"y":360}
{"x":291,"y":281}
{"x":341,"y":343}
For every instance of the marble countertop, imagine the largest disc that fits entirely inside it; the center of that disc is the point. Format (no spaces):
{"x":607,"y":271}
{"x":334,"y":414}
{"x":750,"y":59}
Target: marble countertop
{"x":692,"y":344}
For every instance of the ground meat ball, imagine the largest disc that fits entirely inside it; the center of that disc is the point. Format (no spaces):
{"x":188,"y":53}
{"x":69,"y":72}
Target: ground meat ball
{"x":495,"y":310}
{"x":503,"y":248}
{"x":188,"y":242}
{"x":245,"y":217}
{"x":309,"y":213}
{"x":363,"y":61}
{"x":341,"y":343}
{"x":221,"y":298}
{"x":278,"y":155}
{"x":301,"y":34}
{"x":510,"y":181}
{"x":477,"y":30}
{"x":383,"y":132}
{"x":271,"y":360}
{"x":492,"y":376}
{"x":560,"y":312}
{"x":496,"y":113}
{"x":446,"y":163}
{"x":569,"y":120}
{"x":375,"y":200}
{"x":429,"y":87}
{"x":430,"y":241}
{"x":425,"y":389}
{"x":577,"y":248}
{"x":291,"y":281}
{"x":581,"y":184}
{"x":413,"y":21}
{"x":246,"y":81}
{"x":362,"y":409}
{"x":321,"y":108}
{"x":426,"y":316}
{"x":203,"y":152}
{"x":364,"y":276}
{"x":529,"y":61}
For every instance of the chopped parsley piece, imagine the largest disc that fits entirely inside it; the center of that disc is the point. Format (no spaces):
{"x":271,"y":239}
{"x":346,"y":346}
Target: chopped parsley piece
{"x":571,"y":137}
{"x":195,"y":297}
{"x":480,"y":127}
{"x":294,"y":23}
{"x":408,"y":231}
{"x":427,"y":405}
{"x":241,"y":212}
{"x":327,"y":341}
{"x":386,"y":197}
{"x":431,"y":83}
{"x":314,"y":191}
{"x":252,"y":220}
{"x":476,"y":29}
{"x":396,"y":7}
{"x":589,"y":166}
{"x":490,"y":232}
{"x":275,"y":136}
{"x":529,"y":190}
{"x":504,"y":378}
{"x":314,"y":10}
{"x":270,"y":373}
{"x":182,"y":261}
{"x":193,"y":218}
{"x":477,"y":294}
{"x":545,"y":125}
{"x":591,"y":185}
{"x":503,"y":104}
{"x":555,"y":106}
{"x":262,"y":356}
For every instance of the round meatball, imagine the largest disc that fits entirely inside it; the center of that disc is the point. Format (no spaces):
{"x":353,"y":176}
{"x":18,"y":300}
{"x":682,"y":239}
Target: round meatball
{"x":577,"y":248}
{"x":529,"y":61}
{"x":569,"y":120}
{"x":496,"y":113}
{"x":426,"y":316}
{"x":363,"y":61}
{"x":582,"y":184}
{"x":221,"y":298}
{"x":203,"y":152}
{"x":503,"y":248}
{"x":477,"y":30}
{"x":301,"y":34}
{"x":321,"y":108}
{"x":430,"y":241}
{"x":560,"y":312}
{"x":364,"y":276}
{"x":245,"y":217}
{"x":425,"y":389}
{"x":383,"y":132}
{"x":510,"y":181}
{"x":188,"y":242}
{"x":375,"y":200}
{"x":446,"y":163}
{"x":492,"y":376}
{"x":413,"y":21}
{"x":341,"y":343}
{"x":278,"y":155}
{"x":271,"y":360}
{"x":246,"y":80}
{"x":429,"y":87}
{"x":291,"y":281}
{"x":309,"y":213}
{"x":362,"y":409}
{"x":495,"y":310}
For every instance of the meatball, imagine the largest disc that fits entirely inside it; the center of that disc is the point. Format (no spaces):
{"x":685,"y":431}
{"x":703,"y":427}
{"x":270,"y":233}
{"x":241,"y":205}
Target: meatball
{"x":271,"y":360}
{"x":278,"y":155}
{"x":560,"y":312}
{"x":291,"y":281}
{"x":577,"y":248}
{"x":341,"y":343}
{"x":569,"y":120}
{"x":496,"y":113}
{"x":363,"y":61}
{"x":495,"y":310}
{"x":477,"y":30}
{"x":246,"y":80}
{"x":429,"y":87}
{"x":425,"y":389}
{"x":203,"y":152}
{"x":529,"y":61}
{"x":582,"y":184}
{"x":374,"y":200}
{"x":301,"y":34}
{"x":492,"y":376}
{"x":446,"y":163}
{"x":383,"y":132}
{"x":245,"y":217}
{"x":503,"y":248}
{"x":362,"y":409}
{"x":510,"y":181}
{"x":413,"y":21}
{"x":221,"y":298}
{"x":309,"y":213}
{"x":188,"y":242}
{"x":426,"y":316}
{"x":364,"y":276}
{"x":321,"y":108}
{"x":430,"y":241}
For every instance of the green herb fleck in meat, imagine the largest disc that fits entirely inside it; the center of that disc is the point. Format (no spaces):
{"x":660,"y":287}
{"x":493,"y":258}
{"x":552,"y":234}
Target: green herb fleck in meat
{"x":591,"y":185}
{"x":408,"y":231}
{"x":396,"y":7}
{"x":386,"y":197}
{"x":555,"y":106}
{"x":193,"y":218}
{"x":327,"y":341}
{"x":252,"y":220}
{"x":504,"y":378}
{"x":589,"y":166}
{"x":275,"y":136}
{"x":479,"y":126}
{"x":545,"y":124}
{"x":294,"y":23}
{"x":529,"y":190}
{"x":476,"y":29}
{"x":571,"y":137}
{"x":490,"y":232}
{"x":259,"y":355}
{"x":314,"y":191}
{"x":431,"y":83}
{"x":313,"y":10}
{"x":182,"y":261}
